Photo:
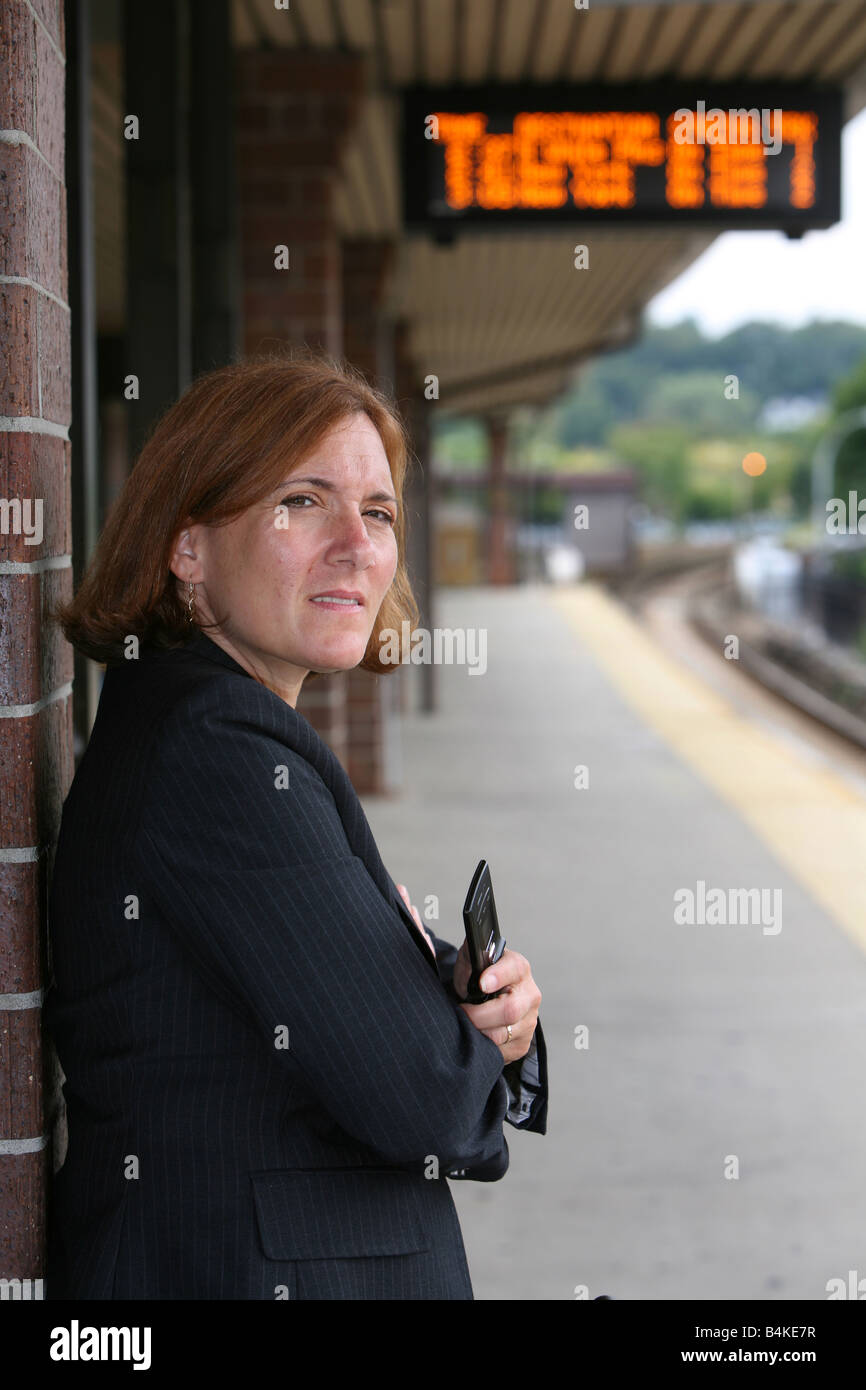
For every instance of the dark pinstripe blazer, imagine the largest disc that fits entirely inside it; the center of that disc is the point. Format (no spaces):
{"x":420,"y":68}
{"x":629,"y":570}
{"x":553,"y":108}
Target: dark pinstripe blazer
{"x":265,"y":1068}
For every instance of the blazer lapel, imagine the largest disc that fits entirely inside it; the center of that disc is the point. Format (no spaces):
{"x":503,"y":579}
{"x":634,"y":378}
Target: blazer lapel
{"x":358,"y":831}
{"x":306,"y":741}
{"x":360,"y":835}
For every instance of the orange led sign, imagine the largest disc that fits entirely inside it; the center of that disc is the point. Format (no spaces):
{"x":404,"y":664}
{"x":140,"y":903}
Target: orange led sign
{"x":770,"y":162}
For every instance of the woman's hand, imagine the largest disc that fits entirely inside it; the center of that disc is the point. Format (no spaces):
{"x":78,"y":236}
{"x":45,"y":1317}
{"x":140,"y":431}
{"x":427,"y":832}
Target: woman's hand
{"x":404,"y":894}
{"x":517,"y":1006}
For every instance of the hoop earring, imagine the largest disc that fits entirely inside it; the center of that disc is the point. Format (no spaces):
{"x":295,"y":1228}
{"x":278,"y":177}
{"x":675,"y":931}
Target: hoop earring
{"x":190,"y":607}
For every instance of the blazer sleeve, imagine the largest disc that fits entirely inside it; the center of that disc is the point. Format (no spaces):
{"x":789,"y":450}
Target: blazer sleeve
{"x":247,"y":860}
{"x":526,"y":1079}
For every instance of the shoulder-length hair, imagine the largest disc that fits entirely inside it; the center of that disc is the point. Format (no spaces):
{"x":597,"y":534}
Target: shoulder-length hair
{"x":221,"y":448}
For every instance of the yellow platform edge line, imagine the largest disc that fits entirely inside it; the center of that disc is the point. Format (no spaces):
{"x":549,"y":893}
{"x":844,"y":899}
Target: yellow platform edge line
{"x":810,"y":819}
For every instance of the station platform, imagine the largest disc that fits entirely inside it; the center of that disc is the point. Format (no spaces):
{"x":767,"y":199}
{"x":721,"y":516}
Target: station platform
{"x":708,"y":1142}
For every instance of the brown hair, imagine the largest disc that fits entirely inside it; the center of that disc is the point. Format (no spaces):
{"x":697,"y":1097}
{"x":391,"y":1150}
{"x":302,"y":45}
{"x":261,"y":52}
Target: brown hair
{"x":218,"y":450}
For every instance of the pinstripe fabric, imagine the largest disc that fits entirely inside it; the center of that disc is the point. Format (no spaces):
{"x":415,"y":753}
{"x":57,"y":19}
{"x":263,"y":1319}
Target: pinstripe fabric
{"x":264,"y":1065}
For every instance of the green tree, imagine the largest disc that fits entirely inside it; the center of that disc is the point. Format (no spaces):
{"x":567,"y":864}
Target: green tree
{"x":699,"y":398}
{"x":850,"y":394}
{"x":659,"y":454}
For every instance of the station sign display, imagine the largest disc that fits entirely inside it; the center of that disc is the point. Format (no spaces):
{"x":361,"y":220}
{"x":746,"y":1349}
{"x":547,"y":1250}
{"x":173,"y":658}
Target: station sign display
{"x":757,"y":156}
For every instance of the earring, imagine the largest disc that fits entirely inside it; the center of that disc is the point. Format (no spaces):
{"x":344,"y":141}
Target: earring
{"x":190,"y":607}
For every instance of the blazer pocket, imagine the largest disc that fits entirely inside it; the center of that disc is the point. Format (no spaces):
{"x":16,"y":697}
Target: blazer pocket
{"x":337,"y":1213}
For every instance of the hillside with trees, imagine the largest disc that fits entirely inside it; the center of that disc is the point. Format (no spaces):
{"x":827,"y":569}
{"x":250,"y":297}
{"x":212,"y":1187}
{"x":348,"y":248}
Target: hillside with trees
{"x":682,"y":410}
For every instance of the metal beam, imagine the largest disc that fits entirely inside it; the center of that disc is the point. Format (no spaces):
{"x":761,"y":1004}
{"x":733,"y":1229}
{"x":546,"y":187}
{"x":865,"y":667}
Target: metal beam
{"x":158,"y":269}
{"x":216,"y":270}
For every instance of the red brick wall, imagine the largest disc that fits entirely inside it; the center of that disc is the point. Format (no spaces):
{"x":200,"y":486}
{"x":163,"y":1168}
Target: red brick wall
{"x":294,"y":111}
{"x":36,"y":762}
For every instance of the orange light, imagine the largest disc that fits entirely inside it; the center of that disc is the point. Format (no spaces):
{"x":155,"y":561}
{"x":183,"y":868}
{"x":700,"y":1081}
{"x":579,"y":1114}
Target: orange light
{"x":754,"y":464}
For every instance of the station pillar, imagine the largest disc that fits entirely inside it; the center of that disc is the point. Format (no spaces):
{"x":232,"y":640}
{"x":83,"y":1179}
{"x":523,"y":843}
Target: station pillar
{"x":36,"y":666}
{"x":500,"y":566}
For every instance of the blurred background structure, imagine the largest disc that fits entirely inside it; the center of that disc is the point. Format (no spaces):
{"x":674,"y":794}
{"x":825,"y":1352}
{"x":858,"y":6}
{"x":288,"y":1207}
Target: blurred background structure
{"x":188,"y":181}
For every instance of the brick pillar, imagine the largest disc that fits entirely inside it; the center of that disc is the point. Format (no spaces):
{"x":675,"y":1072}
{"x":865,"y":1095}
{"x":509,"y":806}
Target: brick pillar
{"x":417,"y":413}
{"x":367,"y":263}
{"x":293,"y":113}
{"x":373,"y":756}
{"x":499,"y":557}
{"x":36,"y":757}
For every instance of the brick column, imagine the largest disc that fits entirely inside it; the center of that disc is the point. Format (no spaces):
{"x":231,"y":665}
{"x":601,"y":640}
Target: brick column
{"x":499,"y":554}
{"x":367,"y":262}
{"x":373,"y":755}
{"x":36,"y":759}
{"x":417,"y":413}
{"x":293,"y":113}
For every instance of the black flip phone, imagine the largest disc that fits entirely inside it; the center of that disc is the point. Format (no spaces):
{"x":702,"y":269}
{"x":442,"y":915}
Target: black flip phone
{"x":483,"y":940}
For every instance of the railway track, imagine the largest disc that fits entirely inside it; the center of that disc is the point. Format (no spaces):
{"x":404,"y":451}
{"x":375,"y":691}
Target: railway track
{"x":762,"y":691}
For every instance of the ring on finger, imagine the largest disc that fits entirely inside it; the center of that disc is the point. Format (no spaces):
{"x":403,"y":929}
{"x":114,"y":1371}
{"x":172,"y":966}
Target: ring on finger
{"x":508,"y":1028}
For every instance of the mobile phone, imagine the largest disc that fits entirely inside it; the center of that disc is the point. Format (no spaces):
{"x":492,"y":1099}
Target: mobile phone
{"x":483,"y":939}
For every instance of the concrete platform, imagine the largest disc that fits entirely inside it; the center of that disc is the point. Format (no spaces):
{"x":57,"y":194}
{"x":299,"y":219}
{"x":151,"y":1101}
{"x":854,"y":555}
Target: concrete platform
{"x":712,"y":1047}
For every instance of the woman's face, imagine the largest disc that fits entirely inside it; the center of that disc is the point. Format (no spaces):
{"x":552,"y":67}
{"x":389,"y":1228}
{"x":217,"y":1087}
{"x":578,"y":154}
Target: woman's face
{"x":263,"y":571}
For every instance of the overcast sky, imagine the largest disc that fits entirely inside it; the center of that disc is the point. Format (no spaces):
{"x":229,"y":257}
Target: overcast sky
{"x":763,"y":275}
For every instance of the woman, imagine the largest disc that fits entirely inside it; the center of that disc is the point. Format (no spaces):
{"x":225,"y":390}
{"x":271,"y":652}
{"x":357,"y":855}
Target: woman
{"x":269,"y":1072}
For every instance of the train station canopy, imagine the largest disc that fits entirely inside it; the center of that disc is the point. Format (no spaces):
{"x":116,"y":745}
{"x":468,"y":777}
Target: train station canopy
{"x":502,"y":314}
